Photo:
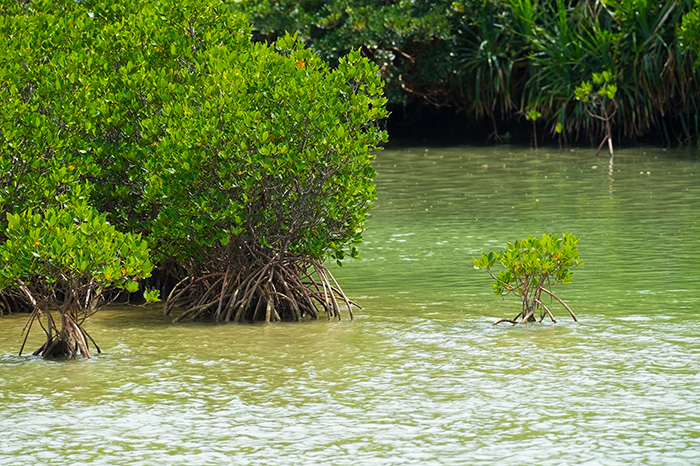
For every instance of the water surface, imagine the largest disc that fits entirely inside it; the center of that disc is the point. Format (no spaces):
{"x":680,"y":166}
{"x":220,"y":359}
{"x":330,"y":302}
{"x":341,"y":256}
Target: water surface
{"x":421,"y":376}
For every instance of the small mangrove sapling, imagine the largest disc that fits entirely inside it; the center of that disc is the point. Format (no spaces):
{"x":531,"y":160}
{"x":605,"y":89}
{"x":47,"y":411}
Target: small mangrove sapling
{"x":532,"y":115}
{"x":63,"y":260}
{"x":532,"y":267}
{"x":599,"y":103}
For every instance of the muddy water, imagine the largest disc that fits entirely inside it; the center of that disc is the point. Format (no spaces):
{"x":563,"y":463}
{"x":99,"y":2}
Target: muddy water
{"x":421,"y":376}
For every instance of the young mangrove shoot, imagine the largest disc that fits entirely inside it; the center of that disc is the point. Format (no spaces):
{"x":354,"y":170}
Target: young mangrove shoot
{"x":532,"y":267}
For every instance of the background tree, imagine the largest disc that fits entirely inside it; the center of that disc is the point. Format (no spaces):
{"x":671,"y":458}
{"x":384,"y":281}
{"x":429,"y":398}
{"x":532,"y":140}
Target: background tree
{"x":496,"y":61}
{"x":689,"y":31}
{"x":408,"y":40}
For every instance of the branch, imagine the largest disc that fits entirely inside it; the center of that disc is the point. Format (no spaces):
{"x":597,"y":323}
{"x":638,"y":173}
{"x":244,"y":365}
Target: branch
{"x":510,"y":290}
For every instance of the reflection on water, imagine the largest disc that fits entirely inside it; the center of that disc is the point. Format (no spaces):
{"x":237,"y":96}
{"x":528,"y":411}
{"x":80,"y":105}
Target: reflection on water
{"x":421,"y":376}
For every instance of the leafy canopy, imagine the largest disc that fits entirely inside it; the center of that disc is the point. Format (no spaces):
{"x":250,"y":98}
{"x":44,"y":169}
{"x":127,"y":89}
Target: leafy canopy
{"x":167,"y":116}
{"x":270,"y":150}
{"x":70,"y":250}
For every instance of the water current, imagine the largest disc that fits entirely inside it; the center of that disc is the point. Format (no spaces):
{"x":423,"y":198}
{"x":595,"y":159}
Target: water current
{"x":420,"y":376}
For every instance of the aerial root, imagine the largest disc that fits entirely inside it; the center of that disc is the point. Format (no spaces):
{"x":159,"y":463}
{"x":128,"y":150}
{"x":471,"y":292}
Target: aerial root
{"x":294,"y":289}
{"x":562,"y":303}
{"x":68,"y":341}
{"x":527,"y":314}
{"x":546,"y":310}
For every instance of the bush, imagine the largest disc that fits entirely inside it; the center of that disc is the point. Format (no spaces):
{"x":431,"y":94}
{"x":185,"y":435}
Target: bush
{"x":65,"y":260}
{"x":233,"y":159}
{"x":530,"y":265}
{"x":263,"y":178}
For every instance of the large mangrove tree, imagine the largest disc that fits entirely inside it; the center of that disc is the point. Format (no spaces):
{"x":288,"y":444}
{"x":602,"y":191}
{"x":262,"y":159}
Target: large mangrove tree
{"x":244,"y":166}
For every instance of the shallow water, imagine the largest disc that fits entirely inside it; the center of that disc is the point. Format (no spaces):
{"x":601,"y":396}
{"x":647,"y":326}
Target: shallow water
{"x":421,"y":376}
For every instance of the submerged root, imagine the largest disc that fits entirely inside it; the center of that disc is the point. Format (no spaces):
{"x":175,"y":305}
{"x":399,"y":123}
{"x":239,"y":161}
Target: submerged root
{"x":293,"y":289}
{"x":527,"y":315}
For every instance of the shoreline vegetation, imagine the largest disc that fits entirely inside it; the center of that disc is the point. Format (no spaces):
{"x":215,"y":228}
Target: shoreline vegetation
{"x":216,"y":155}
{"x":507,"y":70}
{"x":154,"y":146}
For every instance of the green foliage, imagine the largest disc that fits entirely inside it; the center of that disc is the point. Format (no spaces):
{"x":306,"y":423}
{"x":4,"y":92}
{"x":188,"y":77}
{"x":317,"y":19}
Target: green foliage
{"x":605,"y":89}
{"x":180,"y":127}
{"x":488,"y":58}
{"x":288,"y":180}
{"x":403,"y":37}
{"x":219,"y":151}
{"x":598,"y":98}
{"x":689,"y":31}
{"x":637,"y":42}
{"x":499,"y":59}
{"x":68,"y":250}
{"x":532,"y":115}
{"x":598,"y":95}
{"x":289,"y":172}
{"x":531,"y":266}
{"x":65,"y":259}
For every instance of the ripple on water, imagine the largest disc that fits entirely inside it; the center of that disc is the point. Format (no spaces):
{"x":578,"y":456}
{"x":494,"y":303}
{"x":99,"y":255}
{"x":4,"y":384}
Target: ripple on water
{"x":421,"y":376}
{"x":418,"y":391}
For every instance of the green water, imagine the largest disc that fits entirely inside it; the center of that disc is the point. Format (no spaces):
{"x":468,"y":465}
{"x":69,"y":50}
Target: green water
{"x":421,"y":376}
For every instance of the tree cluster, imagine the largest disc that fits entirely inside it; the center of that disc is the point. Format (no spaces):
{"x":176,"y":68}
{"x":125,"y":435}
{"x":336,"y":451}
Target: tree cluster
{"x":161,"y":133}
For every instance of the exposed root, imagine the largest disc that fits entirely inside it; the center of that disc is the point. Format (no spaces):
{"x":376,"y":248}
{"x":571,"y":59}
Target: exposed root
{"x":528,"y":313}
{"x":67,"y":337}
{"x":291,"y":289}
{"x":540,"y":303}
{"x":69,"y":340}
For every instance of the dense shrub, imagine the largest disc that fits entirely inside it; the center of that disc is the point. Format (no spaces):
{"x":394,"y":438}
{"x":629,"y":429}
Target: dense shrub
{"x":233,"y":159}
{"x":498,"y":61}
